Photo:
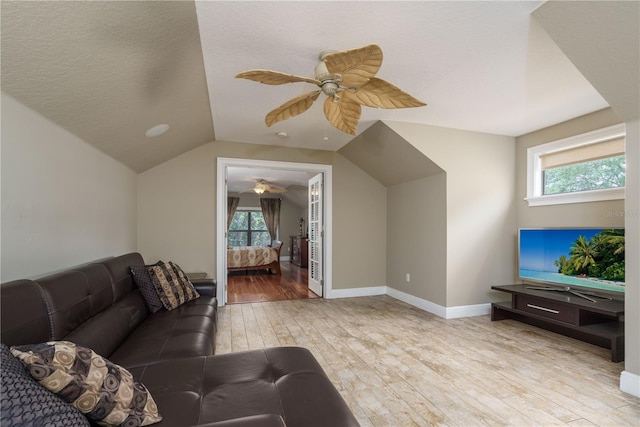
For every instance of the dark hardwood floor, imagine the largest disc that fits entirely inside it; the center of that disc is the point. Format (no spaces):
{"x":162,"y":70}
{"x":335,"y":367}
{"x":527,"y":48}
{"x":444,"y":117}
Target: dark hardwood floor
{"x":262,"y":286}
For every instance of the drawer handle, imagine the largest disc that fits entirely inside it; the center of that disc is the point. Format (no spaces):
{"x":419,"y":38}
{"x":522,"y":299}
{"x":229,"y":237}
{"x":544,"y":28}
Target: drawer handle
{"x":537,"y":307}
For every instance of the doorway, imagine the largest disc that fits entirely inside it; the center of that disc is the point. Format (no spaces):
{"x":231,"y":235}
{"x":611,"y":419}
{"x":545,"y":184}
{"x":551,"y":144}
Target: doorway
{"x":223,"y":164}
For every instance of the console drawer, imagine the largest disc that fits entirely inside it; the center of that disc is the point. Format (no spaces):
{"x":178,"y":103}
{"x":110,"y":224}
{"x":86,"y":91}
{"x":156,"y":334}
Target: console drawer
{"x":546,"y":308}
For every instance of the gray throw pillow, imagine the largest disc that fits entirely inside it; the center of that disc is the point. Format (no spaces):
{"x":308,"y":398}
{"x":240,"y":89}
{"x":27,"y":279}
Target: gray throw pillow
{"x":24,"y":402}
{"x":143,"y":281}
{"x":105,"y":392}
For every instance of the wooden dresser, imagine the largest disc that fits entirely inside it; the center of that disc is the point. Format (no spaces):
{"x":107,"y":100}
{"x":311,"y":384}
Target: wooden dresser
{"x":299,"y":247}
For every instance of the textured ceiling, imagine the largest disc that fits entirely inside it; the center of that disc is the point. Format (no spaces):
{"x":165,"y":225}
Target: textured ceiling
{"x":106,"y":71}
{"x":480,"y":66}
{"x":244,"y":179}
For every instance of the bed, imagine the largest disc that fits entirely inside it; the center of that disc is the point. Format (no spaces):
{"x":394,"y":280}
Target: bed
{"x":254,"y":257}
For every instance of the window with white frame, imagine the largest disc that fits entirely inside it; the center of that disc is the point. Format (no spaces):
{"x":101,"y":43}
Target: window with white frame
{"x":583,"y":168}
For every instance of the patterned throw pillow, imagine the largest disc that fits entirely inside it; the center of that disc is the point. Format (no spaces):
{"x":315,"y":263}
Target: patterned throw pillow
{"x":172,"y":285}
{"x":25,"y":402}
{"x":141,"y":277}
{"x":103,"y":391}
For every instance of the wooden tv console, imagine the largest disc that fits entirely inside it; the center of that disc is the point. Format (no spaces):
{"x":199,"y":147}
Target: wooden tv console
{"x":561,"y":312}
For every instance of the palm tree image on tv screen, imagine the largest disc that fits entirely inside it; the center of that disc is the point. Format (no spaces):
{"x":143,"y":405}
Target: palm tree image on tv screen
{"x":586,"y":257}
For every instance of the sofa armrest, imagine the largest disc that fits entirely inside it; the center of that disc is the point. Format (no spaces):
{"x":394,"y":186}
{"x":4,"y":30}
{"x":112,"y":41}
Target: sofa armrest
{"x":205,"y":286}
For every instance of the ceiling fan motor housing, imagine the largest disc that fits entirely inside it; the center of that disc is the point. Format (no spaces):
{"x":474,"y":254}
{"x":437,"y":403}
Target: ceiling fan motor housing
{"x":328,"y":82}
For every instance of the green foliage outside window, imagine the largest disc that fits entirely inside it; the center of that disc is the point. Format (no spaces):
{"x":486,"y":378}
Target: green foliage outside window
{"x":248,"y":229}
{"x":593,"y":175}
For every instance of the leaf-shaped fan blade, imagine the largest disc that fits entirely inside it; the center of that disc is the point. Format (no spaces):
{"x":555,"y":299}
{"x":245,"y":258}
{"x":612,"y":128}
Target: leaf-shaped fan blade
{"x":342,"y":114}
{"x":381,"y":94}
{"x":269,"y":77}
{"x":274,"y":189}
{"x":356,"y":66}
{"x":292,"y":108}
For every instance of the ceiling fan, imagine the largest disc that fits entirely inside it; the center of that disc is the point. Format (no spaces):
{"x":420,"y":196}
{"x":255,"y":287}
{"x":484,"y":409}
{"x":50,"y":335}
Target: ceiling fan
{"x":263,"y":187}
{"x":348,"y":79}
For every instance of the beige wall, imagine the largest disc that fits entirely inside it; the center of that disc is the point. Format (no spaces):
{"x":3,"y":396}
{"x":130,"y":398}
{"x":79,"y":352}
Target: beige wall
{"x":289,"y":215}
{"x":611,"y":64}
{"x":417,"y":238}
{"x":613,"y":213}
{"x":632,"y":249}
{"x":63,"y":202}
{"x":481,"y":220}
{"x":177,"y":211}
{"x":596,"y":214}
{"x":359,"y":227}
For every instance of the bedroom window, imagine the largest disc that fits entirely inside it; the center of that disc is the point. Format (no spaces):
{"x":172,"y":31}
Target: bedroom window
{"x":584,"y":168}
{"x":248,"y":229}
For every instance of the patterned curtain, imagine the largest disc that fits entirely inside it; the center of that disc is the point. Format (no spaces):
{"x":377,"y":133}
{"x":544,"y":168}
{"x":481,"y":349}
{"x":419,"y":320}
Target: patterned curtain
{"x":271,"y":215}
{"x":232,"y":205}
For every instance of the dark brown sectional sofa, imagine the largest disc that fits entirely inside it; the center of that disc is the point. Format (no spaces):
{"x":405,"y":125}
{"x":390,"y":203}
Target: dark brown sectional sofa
{"x":171,"y":352}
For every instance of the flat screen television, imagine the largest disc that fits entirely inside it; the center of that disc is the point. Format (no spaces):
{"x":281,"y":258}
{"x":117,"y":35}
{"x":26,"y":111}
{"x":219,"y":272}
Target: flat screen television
{"x":589,"y":260}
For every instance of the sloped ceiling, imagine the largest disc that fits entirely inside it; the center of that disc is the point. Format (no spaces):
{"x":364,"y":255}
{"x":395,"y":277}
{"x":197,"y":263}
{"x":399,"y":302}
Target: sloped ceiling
{"x":609,"y":31}
{"x":387,"y":157}
{"x":108,"y":70}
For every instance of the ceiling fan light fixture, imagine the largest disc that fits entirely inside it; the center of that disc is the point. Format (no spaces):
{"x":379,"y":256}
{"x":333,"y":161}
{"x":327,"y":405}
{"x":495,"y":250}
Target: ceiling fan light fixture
{"x":348,"y":80}
{"x":259,"y":190}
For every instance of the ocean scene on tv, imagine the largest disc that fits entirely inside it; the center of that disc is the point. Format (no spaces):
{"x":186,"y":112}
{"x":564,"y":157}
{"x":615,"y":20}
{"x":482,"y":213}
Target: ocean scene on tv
{"x":586,"y":257}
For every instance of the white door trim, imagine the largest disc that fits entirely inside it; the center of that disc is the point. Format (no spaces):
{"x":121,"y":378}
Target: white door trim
{"x":221,"y":215}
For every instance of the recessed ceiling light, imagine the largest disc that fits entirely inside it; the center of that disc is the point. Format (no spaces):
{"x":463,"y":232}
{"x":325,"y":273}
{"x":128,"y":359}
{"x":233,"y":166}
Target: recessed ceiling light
{"x":282,"y":134}
{"x":157,"y":130}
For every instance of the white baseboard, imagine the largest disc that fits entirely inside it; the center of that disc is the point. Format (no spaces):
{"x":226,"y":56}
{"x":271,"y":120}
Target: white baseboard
{"x":630,"y":383}
{"x":438,"y":310}
{"x":357,"y":292}
{"x":468,"y":310}
{"x":420,"y":303}
{"x":423,"y":304}
{"x":284,"y":258}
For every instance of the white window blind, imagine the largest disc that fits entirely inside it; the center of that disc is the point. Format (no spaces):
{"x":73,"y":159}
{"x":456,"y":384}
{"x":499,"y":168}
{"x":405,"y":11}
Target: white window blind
{"x":583,"y":153}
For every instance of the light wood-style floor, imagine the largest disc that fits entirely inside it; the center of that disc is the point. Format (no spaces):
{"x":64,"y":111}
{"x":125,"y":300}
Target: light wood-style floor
{"x":397,"y":365}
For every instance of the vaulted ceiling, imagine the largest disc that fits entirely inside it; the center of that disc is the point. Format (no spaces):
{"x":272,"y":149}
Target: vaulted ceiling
{"x":109,"y":70}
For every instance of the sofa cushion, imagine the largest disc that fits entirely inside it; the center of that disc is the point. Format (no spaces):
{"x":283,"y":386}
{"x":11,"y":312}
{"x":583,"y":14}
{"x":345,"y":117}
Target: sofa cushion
{"x":173,"y":288}
{"x":74,"y":296}
{"x":148,"y":291}
{"x":263,"y":420}
{"x":285,"y":381}
{"x":25,"y":402}
{"x":187,"y":331}
{"x":105,"y":392}
{"x":24,"y":317}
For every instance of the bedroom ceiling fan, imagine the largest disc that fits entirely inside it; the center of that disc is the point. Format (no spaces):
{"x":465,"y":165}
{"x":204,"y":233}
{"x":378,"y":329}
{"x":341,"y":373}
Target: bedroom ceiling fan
{"x":348,"y":79}
{"x":263,"y":187}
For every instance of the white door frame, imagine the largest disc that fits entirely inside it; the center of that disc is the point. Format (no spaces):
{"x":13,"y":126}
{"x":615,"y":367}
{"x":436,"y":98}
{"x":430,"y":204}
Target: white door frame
{"x":221,"y":215}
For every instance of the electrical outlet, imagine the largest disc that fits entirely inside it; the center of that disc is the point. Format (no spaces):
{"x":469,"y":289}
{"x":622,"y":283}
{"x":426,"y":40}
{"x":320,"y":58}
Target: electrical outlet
{"x":408,"y":278}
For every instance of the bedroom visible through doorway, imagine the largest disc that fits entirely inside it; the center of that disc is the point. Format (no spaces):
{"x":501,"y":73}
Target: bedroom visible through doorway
{"x":237,"y":284}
